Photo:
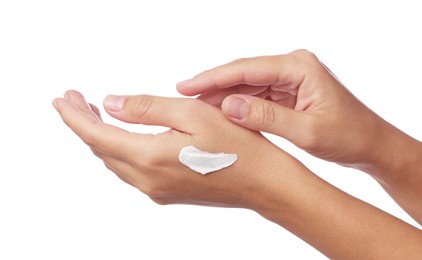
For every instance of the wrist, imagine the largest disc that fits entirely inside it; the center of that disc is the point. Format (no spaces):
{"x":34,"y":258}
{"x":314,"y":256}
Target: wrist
{"x":281,"y":196}
{"x":392,"y":156}
{"x":331,"y":220}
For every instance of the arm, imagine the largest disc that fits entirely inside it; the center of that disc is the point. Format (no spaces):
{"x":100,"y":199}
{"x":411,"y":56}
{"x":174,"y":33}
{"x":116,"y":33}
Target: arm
{"x":274,"y":184}
{"x":340,"y":226}
{"x":298,"y":98}
{"x":398,"y":170}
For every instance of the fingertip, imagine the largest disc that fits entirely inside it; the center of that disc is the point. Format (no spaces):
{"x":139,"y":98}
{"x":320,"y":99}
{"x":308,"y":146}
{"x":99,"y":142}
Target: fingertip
{"x":61,"y":104}
{"x":66,"y":95}
{"x":184,"y":83}
{"x":185,"y":90}
{"x":183,"y":87}
{"x":195,"y":86}
{"x":55,"y":104}
{"x":71,"y":92}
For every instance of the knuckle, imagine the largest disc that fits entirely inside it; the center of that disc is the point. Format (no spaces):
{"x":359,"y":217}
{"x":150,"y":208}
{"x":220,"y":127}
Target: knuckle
{"x":151,"y":161}
{"x":110,"y":167}
{"x":304,"y":55}
{"x":149,"y":190}
{"x":154,"y":160}
{"x":97,"y":153}
{"x":138,"y":106}
{"x":312,"y":136}
{"x":107,"y":165}
{"x":306,"y":60}
{"x":239,"y":61}
{"x":159,"y":201}
{"x":156,"y":191}
{"x":89,"y":138}
{"x":201,"y":74}
{"x":264,"y":115}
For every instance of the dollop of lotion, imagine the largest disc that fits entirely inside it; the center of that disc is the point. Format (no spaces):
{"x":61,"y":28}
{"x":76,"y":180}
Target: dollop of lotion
{"x":205,"y":162}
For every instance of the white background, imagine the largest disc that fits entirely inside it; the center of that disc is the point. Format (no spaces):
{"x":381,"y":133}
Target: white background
{"x":57,"y":201}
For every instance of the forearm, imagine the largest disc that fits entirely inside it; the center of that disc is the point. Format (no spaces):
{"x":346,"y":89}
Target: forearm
{"x":338,"y":225}
{"x":395,"y":161}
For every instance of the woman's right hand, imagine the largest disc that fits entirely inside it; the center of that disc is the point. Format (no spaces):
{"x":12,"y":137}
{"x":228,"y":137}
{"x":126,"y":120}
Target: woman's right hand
{"x":297,"y":97}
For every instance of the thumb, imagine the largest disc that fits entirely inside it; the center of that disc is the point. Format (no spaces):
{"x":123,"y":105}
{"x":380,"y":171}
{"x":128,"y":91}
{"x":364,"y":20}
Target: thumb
{"x":262,"y":115}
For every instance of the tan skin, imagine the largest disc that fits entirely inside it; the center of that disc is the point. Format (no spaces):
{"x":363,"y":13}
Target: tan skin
{"x":274,"y":184}
{"x":317,"y":113}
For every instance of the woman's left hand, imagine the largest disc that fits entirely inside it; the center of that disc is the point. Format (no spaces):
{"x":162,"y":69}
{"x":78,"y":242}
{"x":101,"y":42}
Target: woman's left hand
{"x":150,"y":162}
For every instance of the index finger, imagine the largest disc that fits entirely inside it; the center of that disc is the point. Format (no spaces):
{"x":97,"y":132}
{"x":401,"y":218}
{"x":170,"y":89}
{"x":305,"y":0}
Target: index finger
{"x":258,"y":71}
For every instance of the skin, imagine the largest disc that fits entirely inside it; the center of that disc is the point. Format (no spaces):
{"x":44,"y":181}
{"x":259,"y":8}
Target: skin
{"x":299,"y":98}
{"x":264,"y":179}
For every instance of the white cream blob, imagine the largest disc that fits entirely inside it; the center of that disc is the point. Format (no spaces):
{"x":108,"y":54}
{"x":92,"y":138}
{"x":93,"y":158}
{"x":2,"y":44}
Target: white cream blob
{"x":205,"y":162}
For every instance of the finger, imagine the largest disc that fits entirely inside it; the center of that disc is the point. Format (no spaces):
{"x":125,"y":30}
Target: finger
{"x":286,"y":100}
{"x":117,"y":166}
{"x":263,"y":115}
{"x":102,"y":137}
{"x":176,"y":113}
{"x":96,"y":111}
{"x":129,"y":174}
{"x":121,"y":169}
{"x":216,"y":97}
{"x":79,"y":101}
{"x":121,"y":177}
{"x":259,"y":71}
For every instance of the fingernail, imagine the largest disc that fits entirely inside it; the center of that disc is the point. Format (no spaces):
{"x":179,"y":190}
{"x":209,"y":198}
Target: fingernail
{"x":235,"y":107}
{"x":55,"y":105}
{"x":114,"y":103}
{"x":184,"y":83}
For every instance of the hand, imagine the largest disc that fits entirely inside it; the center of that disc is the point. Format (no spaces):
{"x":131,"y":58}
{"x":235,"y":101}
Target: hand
{"x":150,"y":162}
{"x":296,"y":97}
{"x":264,"y":178}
